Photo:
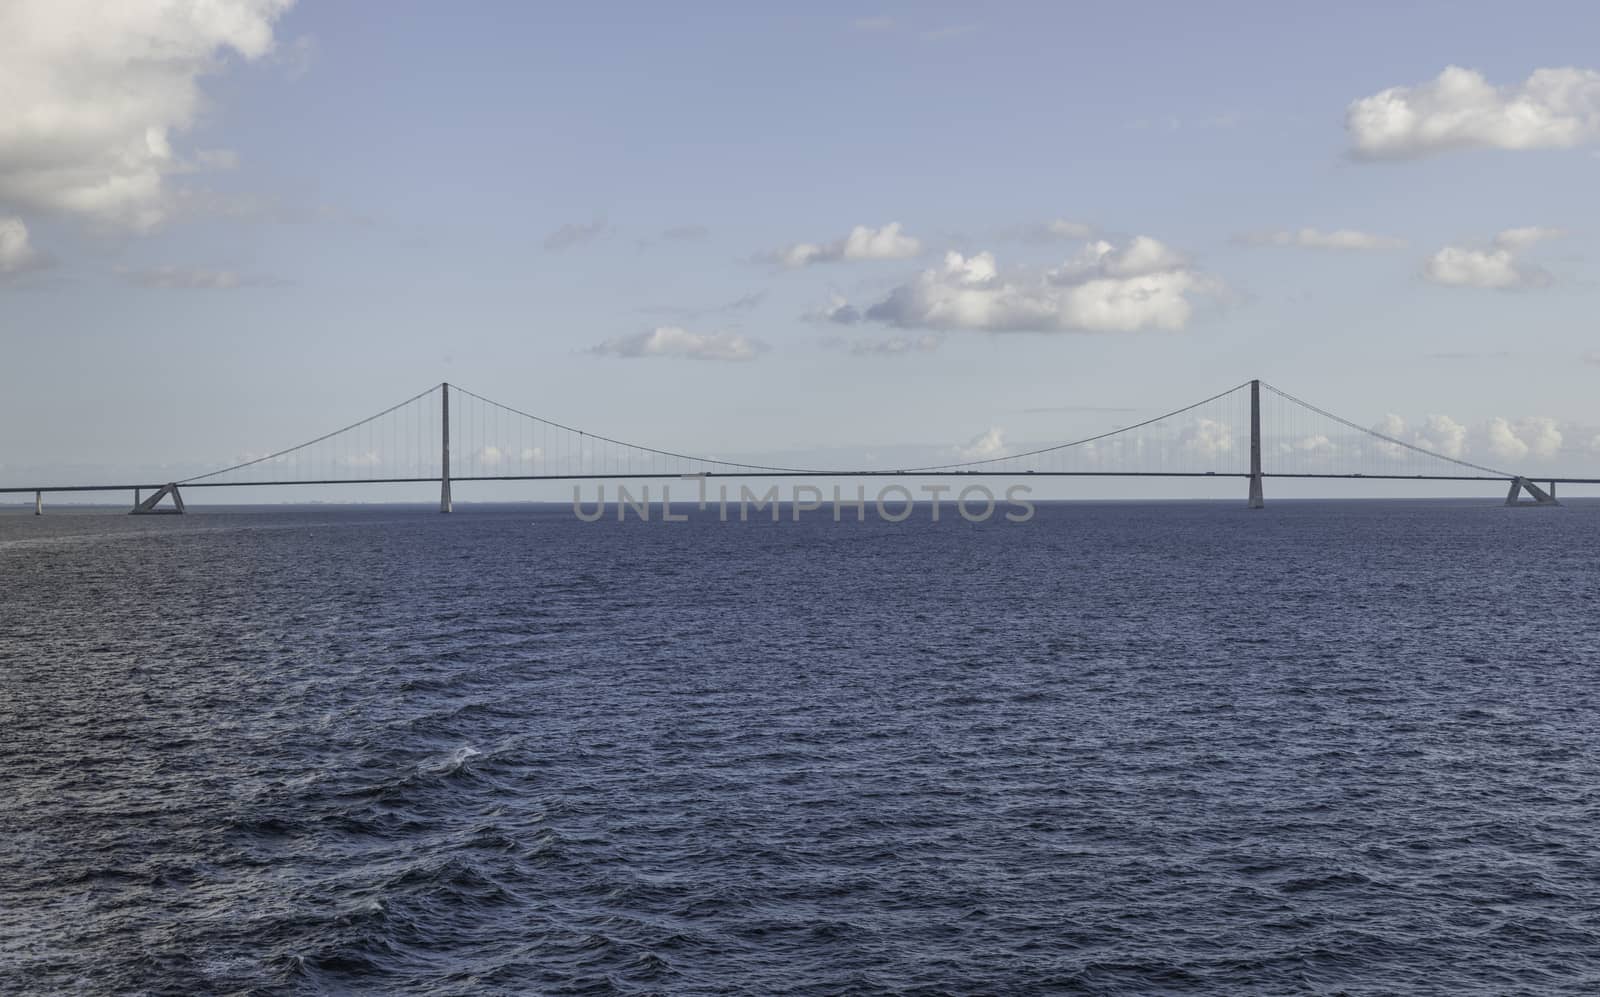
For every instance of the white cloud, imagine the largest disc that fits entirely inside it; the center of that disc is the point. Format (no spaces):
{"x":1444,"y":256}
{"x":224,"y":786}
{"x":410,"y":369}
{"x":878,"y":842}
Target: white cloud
{"x":1540,"y":435}
{"x":1502,"y":440}
{"x":1499,"y":438}
{"x":986,"y":445}
{"x":1317,"y":445}
{"x":1442,"y":435}
{"x":16,"y":249}
{"x":672,"y":341}
{"x":1141,"y":285}
{"x":1552,"y":109}
{"x":96,"y":92}
{"x":1454,"y":266}
{"x":1310,"y":238}
{"x":1207,"y":438}
{"x":575,"y":234}
{"x":1497,"y":266}
{"x":863,"y":243}
{"x":1517,"y":239}
{"x":1394,"y":427}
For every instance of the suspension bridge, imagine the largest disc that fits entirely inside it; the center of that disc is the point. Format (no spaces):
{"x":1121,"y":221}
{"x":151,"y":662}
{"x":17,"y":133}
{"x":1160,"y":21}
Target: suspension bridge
{"x":450,"y":435}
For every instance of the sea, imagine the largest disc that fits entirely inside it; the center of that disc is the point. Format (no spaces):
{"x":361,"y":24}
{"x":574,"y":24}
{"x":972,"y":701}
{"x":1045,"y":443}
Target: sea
{"x":1341,"y":747}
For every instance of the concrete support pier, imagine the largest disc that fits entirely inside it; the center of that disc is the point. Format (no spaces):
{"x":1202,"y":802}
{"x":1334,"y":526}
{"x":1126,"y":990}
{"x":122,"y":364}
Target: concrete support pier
{"x":444,"y":449}
{"x":38,"y":503}
{"x":148,"y":506}
{"x":1256,"y":499}
{"x":1539,"y":495}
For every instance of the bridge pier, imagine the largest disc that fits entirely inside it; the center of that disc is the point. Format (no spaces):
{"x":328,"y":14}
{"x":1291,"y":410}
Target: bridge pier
{"x":38,"y":503}
{"x":1539,"y":495}
{"x":1256,"y":499}
{"x":148,"y":506}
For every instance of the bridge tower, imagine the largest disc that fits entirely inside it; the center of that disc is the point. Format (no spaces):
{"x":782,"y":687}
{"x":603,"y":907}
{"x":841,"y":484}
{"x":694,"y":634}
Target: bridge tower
{"x":1256,"y":501}
{"x":444,"y":449}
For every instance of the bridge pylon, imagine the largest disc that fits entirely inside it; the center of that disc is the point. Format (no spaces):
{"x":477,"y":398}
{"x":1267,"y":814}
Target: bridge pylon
{"x":445,"y":504}
{"x":1256,"y":499}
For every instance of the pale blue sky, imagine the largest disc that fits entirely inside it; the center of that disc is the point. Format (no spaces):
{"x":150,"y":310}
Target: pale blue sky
{"x":400,"y":174}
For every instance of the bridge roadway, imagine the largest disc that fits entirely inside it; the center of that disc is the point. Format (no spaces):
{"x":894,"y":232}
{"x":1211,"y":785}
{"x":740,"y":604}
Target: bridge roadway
{"x":665,"y":476}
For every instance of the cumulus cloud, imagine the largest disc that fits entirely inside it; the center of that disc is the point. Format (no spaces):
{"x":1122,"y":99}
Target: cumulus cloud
{"x":672,"y":341}
{"x":863,"y":243}
{"x":1318,"y":445}
{"x":1390,"y":425}
{"x":575,"y":234}
{"x":96,"y":93}
{"x":986,"y":445}
{"x":1142,"y":284}
{"x":1496,"y":266}
{"x":1310,"y":238}
{"x":1454,"y":266}
{"x":1207,"y":438}
{"x":1552,"y":109}
{"x":16,"y":248}
{"x":1500,"y":438}
{"x":493,"y":456}
{"x":1442,"y":435}
{"x":1540,"y":435}
{"x":1503,"y":441}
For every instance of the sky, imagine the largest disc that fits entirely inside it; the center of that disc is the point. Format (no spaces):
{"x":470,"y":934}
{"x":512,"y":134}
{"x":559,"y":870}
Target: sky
{"x":229,"y":226}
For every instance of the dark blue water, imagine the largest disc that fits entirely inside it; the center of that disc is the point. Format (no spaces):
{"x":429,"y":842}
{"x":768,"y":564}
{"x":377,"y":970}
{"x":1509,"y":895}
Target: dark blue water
{"x":1123,"y":749}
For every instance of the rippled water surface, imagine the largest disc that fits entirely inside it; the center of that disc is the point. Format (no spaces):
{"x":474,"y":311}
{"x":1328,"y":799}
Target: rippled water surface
{"x":1125,"y":749}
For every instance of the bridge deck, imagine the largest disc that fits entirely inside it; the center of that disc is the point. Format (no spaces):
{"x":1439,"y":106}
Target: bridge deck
{"x":789,"y":474}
